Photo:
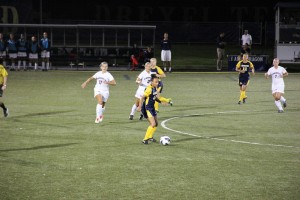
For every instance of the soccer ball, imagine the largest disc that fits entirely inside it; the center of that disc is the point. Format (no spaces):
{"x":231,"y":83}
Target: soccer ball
{"x":165,"y":140}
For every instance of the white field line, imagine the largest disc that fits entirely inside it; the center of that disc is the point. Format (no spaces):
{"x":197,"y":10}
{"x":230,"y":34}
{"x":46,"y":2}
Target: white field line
{"x":163,"y":124}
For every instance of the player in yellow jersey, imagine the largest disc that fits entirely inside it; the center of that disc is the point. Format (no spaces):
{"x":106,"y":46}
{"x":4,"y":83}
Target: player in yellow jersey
{"x":146,"y":105}
{"x":243,"y":67}
{"x":3,"y":82}
{"x":160,"y":74}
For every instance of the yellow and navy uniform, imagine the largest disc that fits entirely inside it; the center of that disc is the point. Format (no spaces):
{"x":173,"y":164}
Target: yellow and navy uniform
{"x":148,"y":109}
{"x":158,"y":70}
{"x":246,"y":66}
{"x":3,"y":73}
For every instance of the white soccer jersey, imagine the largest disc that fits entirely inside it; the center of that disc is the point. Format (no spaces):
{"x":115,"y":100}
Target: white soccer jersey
{"x":101,"y":81}
{"x":145,"y":78}
{"x":277,"y":78}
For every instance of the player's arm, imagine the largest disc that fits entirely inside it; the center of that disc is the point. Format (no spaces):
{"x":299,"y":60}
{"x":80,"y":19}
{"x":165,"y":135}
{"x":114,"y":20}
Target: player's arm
{"x":138,"y":80}
{"x":83,"y":85}
{"x":285,"y":74}
{"x":4,"y":83}
{"x":238,"y":67}
{"x":161,"y":73}
{"x":252,"y":68}
{"x":112,"y":82}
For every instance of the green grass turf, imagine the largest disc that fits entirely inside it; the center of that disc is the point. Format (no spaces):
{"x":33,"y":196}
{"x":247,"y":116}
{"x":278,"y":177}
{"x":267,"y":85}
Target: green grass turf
{"x":50,"y":147}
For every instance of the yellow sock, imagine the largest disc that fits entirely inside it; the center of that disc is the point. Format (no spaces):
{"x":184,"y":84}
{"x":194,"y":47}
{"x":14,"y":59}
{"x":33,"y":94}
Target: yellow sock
{"x":245,"y":96}
{"x":148,"y":133}
{"x":152,"y":131}
{"x":241,"y":95}
{"x":163,"y":99}
{"x":156,"y":105}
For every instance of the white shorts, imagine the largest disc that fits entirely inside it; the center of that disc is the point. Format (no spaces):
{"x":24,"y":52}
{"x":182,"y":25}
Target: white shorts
{"x":33,"y":56}
{"x":2,"y":54}
{"x":139,"y":92}
{"x":12,"y":55}
{"x":22,"y":54}
{"x":45,"y":54}
{"x":104,"y":95}
{"x":165,"y":55}
{"x":277,"y":88}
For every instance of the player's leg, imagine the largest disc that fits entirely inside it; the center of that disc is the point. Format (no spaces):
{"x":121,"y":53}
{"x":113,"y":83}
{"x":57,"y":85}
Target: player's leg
{"x":5,"y":109}
{"x":277,"y":96}
{"x":99,"y":108}
{"x":151,"y":128}
{"x":134,"y":107}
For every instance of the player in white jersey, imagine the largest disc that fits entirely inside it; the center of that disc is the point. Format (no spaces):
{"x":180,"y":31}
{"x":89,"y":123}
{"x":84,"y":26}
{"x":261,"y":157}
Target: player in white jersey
{"x":101,"y":90}
{"x":143,"y":80}
{"x":277,"y":73}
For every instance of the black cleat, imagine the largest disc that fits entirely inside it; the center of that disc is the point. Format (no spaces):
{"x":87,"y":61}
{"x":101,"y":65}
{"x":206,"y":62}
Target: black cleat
{"x":5,"y":112}
{"x":141,"y":117}
{"x":284,"y":104}
{"x":152,"y":140}
{"x":244,"y":100}
{"x":280,"y":111}
{"x":239,"y":102}
{"x":131,"y":117}
{"x":171,"y":102}
{"x":145,"y":142}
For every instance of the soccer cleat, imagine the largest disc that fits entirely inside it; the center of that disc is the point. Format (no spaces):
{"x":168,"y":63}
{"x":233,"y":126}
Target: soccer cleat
{"x":145,"y":142}
{"x":141,"y":117}
{"x":5,"y":112}
{"x":97,"y":120}
{"x":239,"y":102}
{"x":280,"y":111}
{"x":284,"y":104}
{"x":170,"y":102}
{"x":101,"y":118}
{"x":152,"y":139}
{"x":244,"y":100}
{"x":131,"y":117}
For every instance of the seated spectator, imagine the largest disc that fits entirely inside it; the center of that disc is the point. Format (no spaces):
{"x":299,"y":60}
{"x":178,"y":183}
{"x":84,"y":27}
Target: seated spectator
{"x":245,"y":49}
{"x":134,"y":57}
{"x":148,"y":54}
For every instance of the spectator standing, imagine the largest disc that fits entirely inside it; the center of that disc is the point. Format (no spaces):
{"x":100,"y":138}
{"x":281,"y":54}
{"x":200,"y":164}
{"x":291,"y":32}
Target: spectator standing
{"x":45,"y":51}
{"x":2,"y":50}
{"x":165,"y":45}
{"x":22,"y":51}
{"x":246,"y":38}
{"x":12,"y":51}
{"x":245,"y":49}
{"x":220,"y":50}
{"x":33,"y":49}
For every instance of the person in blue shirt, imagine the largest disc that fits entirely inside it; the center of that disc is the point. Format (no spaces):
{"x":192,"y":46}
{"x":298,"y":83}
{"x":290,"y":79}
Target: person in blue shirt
{"x":45,"y":51}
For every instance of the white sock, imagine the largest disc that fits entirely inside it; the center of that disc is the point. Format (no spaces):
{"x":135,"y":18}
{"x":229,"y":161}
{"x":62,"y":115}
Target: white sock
{"x":165,"y":69}
{"x":133,"y":109}
{"x":24,"y":64}
{"x":278,"y":104}
{"x":48,"y":64}
{"x":98,"y":110}
{"x":282,"y":99}
{"x":170,"y":69}
{"x":35,"y":66}
{"x":43,"y":65}
{"x":4,"y":63}
{"x":19,"y":64}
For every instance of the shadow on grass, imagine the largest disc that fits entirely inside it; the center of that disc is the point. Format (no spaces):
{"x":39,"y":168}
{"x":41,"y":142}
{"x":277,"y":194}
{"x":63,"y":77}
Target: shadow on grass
{"x":39,"y":147}
{"x":41,"y":114}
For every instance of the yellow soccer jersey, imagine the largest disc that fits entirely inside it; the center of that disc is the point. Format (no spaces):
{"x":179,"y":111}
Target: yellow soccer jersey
{"x":3,"y":73}
{"x":157,"y":70}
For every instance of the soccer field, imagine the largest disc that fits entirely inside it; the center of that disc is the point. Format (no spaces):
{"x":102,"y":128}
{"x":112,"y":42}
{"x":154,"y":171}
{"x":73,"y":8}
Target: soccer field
{"x":50,"y":147}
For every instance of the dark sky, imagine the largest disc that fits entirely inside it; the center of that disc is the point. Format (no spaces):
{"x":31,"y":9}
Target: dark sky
{"x":175,"y":10}
{"x":142,"y":11}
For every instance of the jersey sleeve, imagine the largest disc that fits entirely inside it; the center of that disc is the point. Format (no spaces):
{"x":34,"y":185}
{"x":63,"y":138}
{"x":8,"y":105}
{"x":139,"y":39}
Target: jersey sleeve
{"x":238,"y":65}
{"x":160,"y":71}
{"x":148,"y":91}
{"x":110,"y":77}
{"x":251,"y":65}
{"x":3,"y":71}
